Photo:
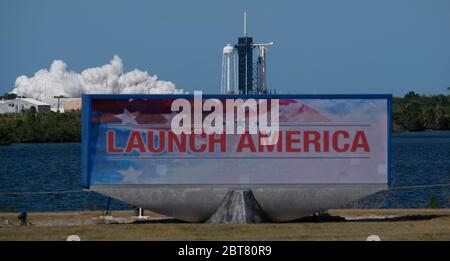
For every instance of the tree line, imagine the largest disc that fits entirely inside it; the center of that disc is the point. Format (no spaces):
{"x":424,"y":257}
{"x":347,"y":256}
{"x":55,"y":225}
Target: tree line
{"x":413,"y":112}
{"x":33,"y":127}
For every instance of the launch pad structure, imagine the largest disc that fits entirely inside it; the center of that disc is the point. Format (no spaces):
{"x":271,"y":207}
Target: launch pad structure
{"x":239,"y":68}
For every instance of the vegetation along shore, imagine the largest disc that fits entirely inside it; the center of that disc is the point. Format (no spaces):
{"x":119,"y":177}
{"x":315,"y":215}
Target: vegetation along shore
{"x":413,"y":112}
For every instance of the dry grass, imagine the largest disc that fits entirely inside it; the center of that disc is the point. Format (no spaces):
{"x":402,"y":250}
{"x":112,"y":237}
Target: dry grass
{"x":437,"y":228}
{"x":69,"y":215}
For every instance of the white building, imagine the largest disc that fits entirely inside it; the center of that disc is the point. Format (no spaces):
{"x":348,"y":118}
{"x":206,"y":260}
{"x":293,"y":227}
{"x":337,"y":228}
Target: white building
{"x":22,"y":104}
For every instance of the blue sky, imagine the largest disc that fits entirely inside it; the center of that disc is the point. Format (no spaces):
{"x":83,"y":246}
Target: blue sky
{"x":353,"y":46}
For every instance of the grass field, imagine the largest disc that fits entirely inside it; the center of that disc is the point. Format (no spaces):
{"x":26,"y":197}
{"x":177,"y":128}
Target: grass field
{"x":418,"y":224}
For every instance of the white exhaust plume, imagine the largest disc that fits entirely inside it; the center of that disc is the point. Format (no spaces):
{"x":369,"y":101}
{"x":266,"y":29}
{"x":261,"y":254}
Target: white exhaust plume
{"x":109,"y":78}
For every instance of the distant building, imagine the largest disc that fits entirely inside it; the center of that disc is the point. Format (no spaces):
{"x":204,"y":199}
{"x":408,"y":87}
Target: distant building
{"x":72,"y":104}
{"x":22,"y":104}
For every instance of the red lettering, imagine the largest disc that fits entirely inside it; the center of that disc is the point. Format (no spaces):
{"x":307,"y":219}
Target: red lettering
{"x":111,"y":148}
{"x":360,"y":141}
{"x":336,"y":146}
{"x":311,"y":141}
{"x":221,"y":140}
{"x":290,"y":141}
{"x":135,"y":142}
{"x":270,"y":148}
{"x":179,"y":140}
{"x":242,"y":144}
{"x":151,"y":144}
{"x":192,"y":139}
{"x":326,"y":141}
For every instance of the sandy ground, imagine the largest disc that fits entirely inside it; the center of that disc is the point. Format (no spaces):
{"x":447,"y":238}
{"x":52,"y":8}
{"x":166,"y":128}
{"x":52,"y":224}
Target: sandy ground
{"x":338,"y":224}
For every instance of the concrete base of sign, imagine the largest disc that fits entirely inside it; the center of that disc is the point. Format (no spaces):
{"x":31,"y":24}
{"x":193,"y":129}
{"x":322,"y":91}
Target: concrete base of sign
{"x":198,"y":203}
{"x":238,"y":207}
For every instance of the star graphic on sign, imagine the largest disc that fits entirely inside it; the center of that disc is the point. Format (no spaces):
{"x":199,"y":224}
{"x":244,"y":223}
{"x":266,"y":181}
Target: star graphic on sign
{"x":128,"y":117}
{"x":130,"y":175}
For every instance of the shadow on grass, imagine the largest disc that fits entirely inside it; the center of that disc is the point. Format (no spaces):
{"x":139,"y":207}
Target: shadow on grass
{"x":323,"y":218}
{"x":396,"y":219}
{"x":158,"y":221}
{"x":319,"y":218}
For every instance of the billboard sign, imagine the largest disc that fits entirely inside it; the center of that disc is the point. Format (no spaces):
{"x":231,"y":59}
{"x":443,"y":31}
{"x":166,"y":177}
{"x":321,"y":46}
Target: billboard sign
{"x":235,"y":140}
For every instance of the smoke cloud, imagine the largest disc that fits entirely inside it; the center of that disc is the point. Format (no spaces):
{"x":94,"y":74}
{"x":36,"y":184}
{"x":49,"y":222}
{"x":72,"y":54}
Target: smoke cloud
{"x":109,"y":78}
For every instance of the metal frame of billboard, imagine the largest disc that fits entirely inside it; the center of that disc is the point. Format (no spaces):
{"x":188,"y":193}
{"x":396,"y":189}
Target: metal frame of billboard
{"x":87,"y":111}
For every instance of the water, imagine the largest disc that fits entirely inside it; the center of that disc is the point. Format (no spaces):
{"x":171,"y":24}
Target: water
{"x":45,"y":167}
{"x":418,"y":159}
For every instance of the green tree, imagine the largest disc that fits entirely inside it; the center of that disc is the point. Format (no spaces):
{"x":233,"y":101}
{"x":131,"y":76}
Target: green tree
{"x":411,"y":118}
{"x":6,"y":132}
{"x":411,"y":96}
{"x":429,"y":118}
{"x":32,"y":126}
{"x":442,"y":119}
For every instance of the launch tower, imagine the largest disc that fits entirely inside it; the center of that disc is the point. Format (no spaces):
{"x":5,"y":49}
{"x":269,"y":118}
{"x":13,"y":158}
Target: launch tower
{"x":246,"y":83}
